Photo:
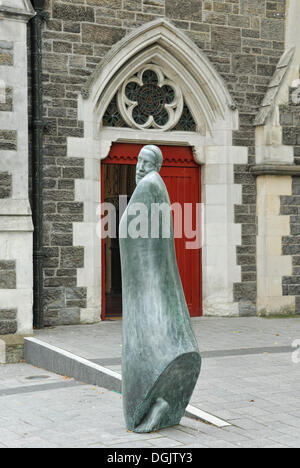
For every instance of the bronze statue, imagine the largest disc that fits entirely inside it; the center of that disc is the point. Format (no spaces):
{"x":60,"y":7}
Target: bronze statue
{"x":161,"y":360}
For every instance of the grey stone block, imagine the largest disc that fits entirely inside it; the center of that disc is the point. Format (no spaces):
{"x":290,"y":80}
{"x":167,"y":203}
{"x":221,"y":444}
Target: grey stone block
{"x":272,"y":29}
{"x":72,"y":257}
{"x":226,"y":38}
{"x":8,"y":314}
{"x":243,"y":64}
{"x":63,"y":316}
{"x":158,"y":3}
{"x":245,"y":292}
{"x":8,"y":279}
{"x":247,"y":309}
{"x":8,"y":140}
{"x":96,"y":34}
{"x":6,"y":53}
{"x":253,"y":7}
{"x":7,"y":265}
{"x":54,"y":298}
{"x":7,"y":105}
{"x":297,"y":306}
{"x":291,"y":250}
{"x":184,"y":9}
{"x":8,"y":327}
{"x":76,"y":293}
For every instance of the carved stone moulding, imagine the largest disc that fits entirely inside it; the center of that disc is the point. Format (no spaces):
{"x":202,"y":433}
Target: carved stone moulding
{"x":148,"y":99}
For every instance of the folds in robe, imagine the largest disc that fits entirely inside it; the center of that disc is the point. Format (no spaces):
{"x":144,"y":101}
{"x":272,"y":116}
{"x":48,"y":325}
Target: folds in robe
{"x":160,"y":353}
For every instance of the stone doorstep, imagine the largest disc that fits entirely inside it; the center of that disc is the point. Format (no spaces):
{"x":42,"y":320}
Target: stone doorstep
{"x":12,"y":348}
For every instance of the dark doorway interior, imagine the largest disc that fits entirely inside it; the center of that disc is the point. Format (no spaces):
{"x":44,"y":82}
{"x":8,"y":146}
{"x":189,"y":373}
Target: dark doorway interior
{"x":182,"y":177}
{"x":119,"y":179}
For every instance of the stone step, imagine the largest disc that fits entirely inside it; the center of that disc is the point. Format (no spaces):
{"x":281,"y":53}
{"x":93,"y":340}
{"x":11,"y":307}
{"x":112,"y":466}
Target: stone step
{"x":62,"y":362}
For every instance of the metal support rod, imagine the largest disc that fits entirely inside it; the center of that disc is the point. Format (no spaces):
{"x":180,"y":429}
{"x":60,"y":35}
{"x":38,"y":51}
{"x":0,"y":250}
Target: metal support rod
{"x":37,"y":162}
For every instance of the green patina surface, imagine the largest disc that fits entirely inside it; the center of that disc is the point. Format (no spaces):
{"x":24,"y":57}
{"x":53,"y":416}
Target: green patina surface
{"x":160,"y":359}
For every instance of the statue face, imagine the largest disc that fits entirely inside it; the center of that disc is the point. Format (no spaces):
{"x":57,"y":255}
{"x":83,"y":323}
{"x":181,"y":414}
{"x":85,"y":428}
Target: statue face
{"x":146,"y":164}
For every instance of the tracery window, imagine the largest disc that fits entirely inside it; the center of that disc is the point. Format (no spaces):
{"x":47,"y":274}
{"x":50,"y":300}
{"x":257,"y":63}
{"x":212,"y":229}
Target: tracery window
{"x":112,"y":116}
{"x":149,"y":100}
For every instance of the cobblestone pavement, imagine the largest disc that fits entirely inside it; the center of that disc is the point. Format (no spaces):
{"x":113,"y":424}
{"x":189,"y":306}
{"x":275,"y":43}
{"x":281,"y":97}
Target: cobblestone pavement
{"x":248,"y":378}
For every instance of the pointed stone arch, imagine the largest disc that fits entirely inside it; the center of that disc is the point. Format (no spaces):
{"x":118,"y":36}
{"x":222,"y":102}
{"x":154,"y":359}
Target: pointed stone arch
{"x":216,"y":116}
{"x":162,"y":44}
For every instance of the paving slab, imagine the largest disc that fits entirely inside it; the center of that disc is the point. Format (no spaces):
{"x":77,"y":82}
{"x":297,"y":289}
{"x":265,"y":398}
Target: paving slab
{"x":248,"y":378}
{"x":242,"y":335}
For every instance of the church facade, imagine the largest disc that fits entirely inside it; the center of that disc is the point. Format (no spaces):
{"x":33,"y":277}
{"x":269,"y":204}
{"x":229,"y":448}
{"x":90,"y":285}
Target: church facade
{"x":83,"y":86}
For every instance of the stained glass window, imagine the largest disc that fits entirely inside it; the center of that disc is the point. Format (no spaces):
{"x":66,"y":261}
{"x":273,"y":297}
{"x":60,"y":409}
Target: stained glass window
{"x":186,"y":122}
{"x":149,"y":100}
{"x":112,"y":116}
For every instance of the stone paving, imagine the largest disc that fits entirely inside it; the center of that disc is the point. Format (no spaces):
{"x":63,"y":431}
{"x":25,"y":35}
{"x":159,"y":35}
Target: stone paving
{"x":248,"y":378}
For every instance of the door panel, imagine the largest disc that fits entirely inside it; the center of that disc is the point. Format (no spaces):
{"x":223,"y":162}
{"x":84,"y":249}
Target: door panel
{"x":183,"y":185}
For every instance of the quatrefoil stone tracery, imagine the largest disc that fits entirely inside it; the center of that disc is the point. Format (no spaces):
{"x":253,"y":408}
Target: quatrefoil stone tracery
{"x":150,"y":100}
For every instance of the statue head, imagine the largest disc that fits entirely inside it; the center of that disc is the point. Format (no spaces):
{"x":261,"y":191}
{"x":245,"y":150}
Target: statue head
{"x":150,"y":159}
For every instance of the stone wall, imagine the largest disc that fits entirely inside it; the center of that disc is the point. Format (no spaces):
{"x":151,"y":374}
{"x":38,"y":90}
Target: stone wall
{"x":8,"y":280}
{"x":8,"y":139}
{"x":291,"y":243}
{"x":15,"y":213}
{"x":290,"y":205}
{"x":274,"y":264}
{"x":290,"y":122}
{"x":244,"y":40}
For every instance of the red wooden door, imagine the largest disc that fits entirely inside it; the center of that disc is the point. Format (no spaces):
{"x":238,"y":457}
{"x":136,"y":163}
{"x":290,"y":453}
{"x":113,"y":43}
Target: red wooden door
{"x":182,"y":177}
{"x":183,"y":185}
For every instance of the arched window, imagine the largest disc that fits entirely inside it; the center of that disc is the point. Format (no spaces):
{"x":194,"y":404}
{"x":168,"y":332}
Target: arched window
{"x":149,"y":99}
{"x":156,"y":78}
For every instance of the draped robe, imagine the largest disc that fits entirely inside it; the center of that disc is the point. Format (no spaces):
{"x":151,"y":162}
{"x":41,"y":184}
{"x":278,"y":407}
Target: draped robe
{"x":160,"y":352}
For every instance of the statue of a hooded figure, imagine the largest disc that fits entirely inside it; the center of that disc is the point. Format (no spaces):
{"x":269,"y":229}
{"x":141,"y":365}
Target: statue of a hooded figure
{"x":161,"y":361}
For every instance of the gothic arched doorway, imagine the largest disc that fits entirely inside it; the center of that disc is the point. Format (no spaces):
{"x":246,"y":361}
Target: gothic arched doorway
{"x":182,"y":177}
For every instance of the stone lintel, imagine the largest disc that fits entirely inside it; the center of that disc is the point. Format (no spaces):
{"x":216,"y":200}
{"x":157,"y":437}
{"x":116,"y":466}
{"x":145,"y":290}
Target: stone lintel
{"x":275,"y":169}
